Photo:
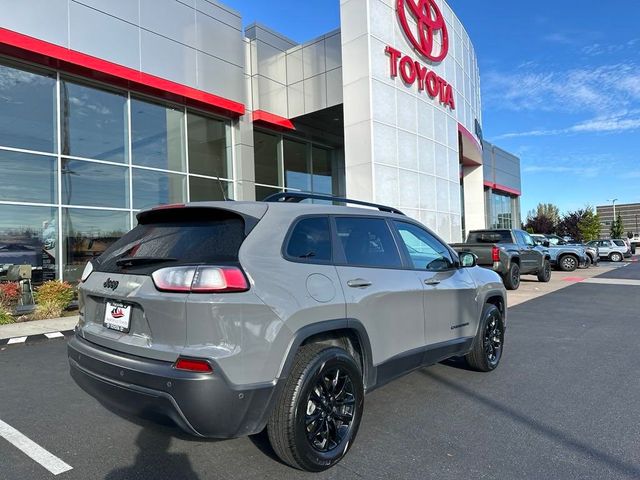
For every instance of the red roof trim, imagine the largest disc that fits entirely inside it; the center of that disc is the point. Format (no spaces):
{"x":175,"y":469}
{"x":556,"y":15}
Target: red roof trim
{"x":44,"y":53}
{"x":272,"y":120}
{"x":470,"y":136}
{"x":502,"y":188}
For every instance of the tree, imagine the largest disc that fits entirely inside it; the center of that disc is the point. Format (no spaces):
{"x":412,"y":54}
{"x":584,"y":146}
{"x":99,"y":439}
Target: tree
{"x":589,"y":225}
{"x":617,"y":227}
{"x":569,"y":225}
{"x":543,"y":219}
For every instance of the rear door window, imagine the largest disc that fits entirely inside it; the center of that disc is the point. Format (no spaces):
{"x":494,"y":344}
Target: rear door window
{"x":368,"y":242}
{"x":620,"y":243}
{"x":310,"y":240}
{"x":176,"y":237}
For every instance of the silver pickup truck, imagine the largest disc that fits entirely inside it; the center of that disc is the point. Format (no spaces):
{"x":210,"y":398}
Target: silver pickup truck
{"x":564,"y":256}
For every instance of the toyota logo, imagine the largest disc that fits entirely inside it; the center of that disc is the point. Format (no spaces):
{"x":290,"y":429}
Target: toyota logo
{"x":427,"y":21}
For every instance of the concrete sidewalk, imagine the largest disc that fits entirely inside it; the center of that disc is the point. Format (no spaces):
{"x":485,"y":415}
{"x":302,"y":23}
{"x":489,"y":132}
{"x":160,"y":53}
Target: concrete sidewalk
{"x":38,"y":327}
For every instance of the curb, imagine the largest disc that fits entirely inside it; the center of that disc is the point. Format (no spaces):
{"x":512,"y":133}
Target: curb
{"x":33,"y":339}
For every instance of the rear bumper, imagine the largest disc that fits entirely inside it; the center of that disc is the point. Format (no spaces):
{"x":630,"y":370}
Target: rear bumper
{"x":204,"y":405}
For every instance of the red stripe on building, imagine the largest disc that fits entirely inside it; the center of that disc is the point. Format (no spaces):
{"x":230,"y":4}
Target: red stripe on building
{"x":24,"y":47}
{"x":272,"y":120}
{"x":502,"y":188}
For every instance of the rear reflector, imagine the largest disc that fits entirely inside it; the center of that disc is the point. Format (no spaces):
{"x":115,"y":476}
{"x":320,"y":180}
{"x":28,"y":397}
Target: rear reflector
{"x":201,"y":279}
{"x":193,"y":365}
{"x":495,"y":254}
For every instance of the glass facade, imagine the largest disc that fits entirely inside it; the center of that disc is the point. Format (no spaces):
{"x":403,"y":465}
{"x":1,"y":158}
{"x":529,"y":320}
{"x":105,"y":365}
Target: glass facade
{"x":78,"y":160}
{"x":502,"y":213}
{"x":283,"y":163}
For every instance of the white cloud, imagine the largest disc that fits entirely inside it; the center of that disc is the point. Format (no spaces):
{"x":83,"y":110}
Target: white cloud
{"x":603,"y":89}
{"x":614,"y":124}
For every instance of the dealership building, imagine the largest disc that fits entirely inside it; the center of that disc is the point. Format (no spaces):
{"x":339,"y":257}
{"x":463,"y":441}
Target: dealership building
{"x":108,"y":107}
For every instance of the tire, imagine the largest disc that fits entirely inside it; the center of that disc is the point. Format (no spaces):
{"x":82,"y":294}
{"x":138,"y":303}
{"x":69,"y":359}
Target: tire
{"x":568,"y":263}
{"x":589,"y":262}
{"x":309,"y":401}
{"x":615,"y":257}
{"x":512,"y":278}
{"x":489,"y":342}
{"x":544,"y":275}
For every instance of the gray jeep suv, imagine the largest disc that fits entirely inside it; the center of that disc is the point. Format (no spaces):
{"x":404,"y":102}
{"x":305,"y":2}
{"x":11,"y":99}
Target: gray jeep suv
{"x":229,"y":317}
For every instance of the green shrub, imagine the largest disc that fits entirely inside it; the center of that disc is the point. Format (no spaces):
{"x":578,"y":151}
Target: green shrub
{"x":5,"y":317}
{"x":10,"y":294}
{"x":47,"y":310}
{"x":55,"y":293}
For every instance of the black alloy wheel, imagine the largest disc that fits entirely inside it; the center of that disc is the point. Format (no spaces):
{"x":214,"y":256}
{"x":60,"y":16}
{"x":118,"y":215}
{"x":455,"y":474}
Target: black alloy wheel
{"x":330,"y":410}
{"x":493,"y":339}
{"x":488,"y":345}
{"x":544,"y":275}
{"x":316,"y":420}
{"x":511,"y":279}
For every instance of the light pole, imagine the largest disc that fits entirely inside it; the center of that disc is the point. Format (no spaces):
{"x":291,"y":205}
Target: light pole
{"x":613,"y":201}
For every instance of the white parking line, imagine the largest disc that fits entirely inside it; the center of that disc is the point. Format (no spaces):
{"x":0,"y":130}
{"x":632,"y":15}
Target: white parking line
{"x":53,"y":335}
{"x":33,"y":450}
{"x":613,"y":281}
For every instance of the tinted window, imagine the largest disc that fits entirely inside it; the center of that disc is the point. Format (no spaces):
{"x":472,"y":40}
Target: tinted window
{"x":425,"y":251}
{"x":27,"y":103}
{"x":207,"y":146}
{"x":207,"y":189}
{"x":87,"y":234}
{"x":28,"y":178}
{"x":526,"y":238}
{"x":311,"y":240}
{"x":93,"y":123}
{"x":94,"y":184}
{"x":157,"y":188}
{"x":368,"y":242}
{"x":297,"y":174}
{"x":157,"y":136}
{"x":620,"y":243}
{"x":490,"y":236}
{"x":184,"y":236}
{"x":266,"y":158}
{"x":29,"y":236}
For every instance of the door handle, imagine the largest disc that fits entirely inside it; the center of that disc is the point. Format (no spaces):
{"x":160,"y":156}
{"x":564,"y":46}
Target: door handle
{"x":432,"y":282}
{"x":359,"y":283}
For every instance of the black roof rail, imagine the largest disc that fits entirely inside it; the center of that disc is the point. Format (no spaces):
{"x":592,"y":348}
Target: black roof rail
{"x":297,"y":197}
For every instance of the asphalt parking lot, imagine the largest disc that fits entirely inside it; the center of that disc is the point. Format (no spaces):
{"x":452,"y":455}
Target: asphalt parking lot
{"x":563,"y":404}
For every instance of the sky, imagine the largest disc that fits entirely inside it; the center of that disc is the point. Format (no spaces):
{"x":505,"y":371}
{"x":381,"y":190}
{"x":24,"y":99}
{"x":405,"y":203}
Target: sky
{"x":560,"y":87}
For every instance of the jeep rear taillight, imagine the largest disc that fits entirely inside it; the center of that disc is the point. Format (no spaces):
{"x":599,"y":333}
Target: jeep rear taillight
{"x":200,"y":279}
{"x":495,"y":254}
{"x":193,"y":365}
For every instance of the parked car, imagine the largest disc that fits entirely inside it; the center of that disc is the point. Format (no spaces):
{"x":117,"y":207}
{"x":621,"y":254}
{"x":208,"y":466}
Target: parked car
{"x":563,"y":257}
{"x":609,"y":250}
{"x":592,"y":252}
{"x":624,"y":242}
{"x":231,"y":316}
{"x":510,"y":253}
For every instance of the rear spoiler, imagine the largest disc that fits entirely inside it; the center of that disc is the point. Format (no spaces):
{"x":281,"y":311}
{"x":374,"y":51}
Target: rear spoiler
{"x":250,"y":212}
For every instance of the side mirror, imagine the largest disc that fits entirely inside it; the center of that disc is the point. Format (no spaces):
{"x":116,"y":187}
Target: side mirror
{"x":546,"y":243}
{"x":468,"y":259}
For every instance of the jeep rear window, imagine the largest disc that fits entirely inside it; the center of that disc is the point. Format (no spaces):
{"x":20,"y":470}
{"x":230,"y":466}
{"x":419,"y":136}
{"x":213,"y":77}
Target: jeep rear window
{"x":177,"y":237}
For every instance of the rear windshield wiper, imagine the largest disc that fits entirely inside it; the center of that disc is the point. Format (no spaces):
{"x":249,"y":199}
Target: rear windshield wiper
{"x":133,"y":261}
